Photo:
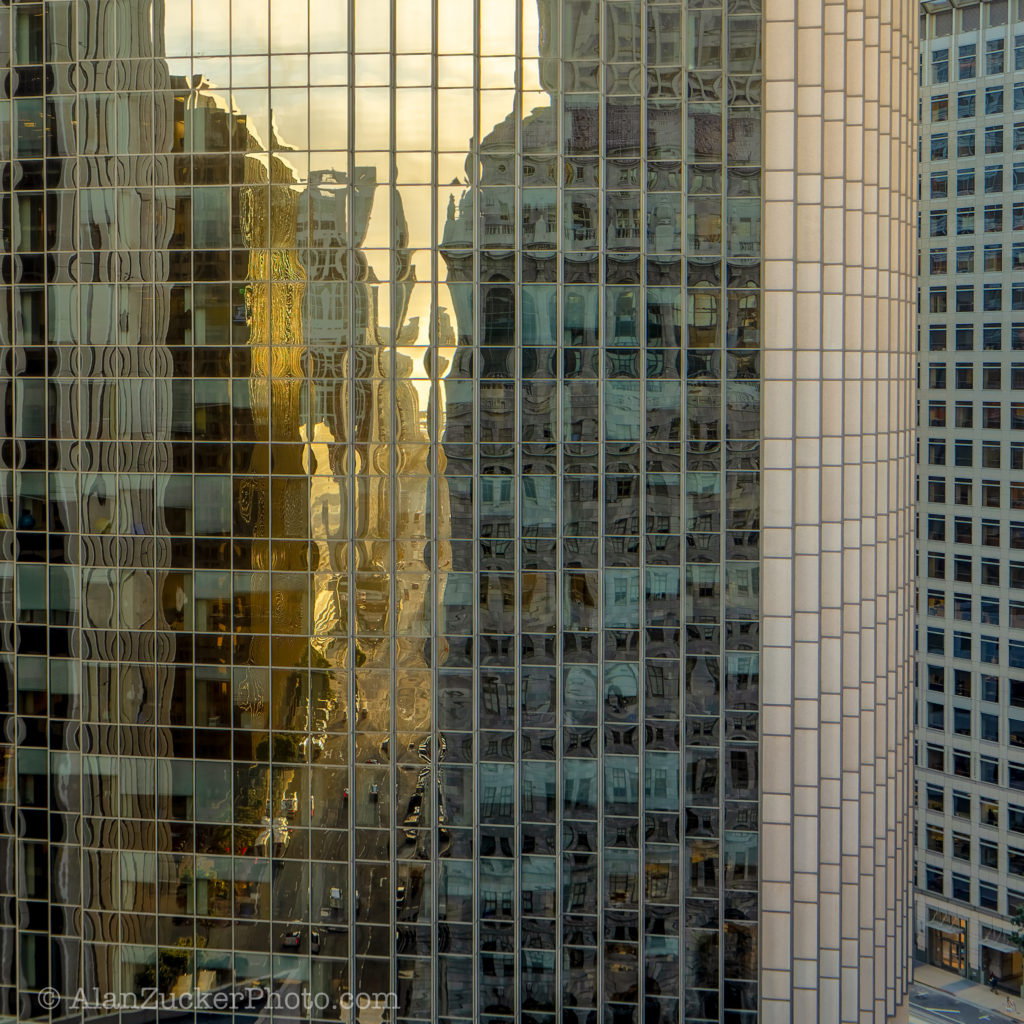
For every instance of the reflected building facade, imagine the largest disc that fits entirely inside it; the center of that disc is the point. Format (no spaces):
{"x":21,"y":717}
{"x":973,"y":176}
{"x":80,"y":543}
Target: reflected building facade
{"x":398,"y":439}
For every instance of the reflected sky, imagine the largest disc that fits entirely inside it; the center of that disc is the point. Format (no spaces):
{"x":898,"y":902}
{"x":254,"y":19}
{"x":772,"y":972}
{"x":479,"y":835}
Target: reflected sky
{"x":274,"y":61}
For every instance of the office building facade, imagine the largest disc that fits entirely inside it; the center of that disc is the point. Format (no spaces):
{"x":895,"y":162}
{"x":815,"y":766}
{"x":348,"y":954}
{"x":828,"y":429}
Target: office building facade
{"x":456,"y":491}
{"x":970,"y":679}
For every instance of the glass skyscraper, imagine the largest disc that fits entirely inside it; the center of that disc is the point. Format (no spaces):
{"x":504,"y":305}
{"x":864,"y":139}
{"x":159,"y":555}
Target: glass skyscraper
{"x":455,"y":508}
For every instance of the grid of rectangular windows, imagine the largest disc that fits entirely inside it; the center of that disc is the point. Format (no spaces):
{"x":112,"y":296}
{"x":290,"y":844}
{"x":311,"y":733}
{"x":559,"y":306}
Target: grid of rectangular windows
{"x":380,"y":494}
{"x":971,"y":467}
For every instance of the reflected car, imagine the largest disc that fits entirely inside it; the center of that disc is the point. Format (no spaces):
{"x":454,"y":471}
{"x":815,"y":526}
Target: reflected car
{"x":291,"y":940}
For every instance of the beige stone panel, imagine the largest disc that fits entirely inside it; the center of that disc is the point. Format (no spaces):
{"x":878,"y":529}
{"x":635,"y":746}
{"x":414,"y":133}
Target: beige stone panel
{"x":845,"y":141}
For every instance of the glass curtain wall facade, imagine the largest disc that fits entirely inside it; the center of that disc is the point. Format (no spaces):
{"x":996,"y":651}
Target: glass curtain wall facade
{"x":598,"y":677}
{"x":970,"y":671}
{"x":381,"y":508}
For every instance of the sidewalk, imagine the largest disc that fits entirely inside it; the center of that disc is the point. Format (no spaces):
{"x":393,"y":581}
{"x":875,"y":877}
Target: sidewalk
{"x":969,"y":991}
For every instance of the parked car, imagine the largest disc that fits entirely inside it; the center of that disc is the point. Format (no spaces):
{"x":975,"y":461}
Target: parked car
{"x":291,"y":940}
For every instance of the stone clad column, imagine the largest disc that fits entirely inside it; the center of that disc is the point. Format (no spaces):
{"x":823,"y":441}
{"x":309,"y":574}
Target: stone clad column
{"x":838,"y":524}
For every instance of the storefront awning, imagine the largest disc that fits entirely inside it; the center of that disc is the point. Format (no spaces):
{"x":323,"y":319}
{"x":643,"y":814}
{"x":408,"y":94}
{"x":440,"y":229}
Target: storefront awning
{"x":999,"y":947}
{"x":946,"y":929}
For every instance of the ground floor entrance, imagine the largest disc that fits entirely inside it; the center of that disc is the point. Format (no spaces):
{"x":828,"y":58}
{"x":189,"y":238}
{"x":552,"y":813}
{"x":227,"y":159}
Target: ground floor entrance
{"x":999,"y":957}
{"x":946,"y":945}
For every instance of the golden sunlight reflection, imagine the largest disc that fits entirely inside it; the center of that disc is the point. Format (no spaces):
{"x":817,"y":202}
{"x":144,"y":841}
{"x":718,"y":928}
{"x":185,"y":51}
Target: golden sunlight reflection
{"x":357,"y":189}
